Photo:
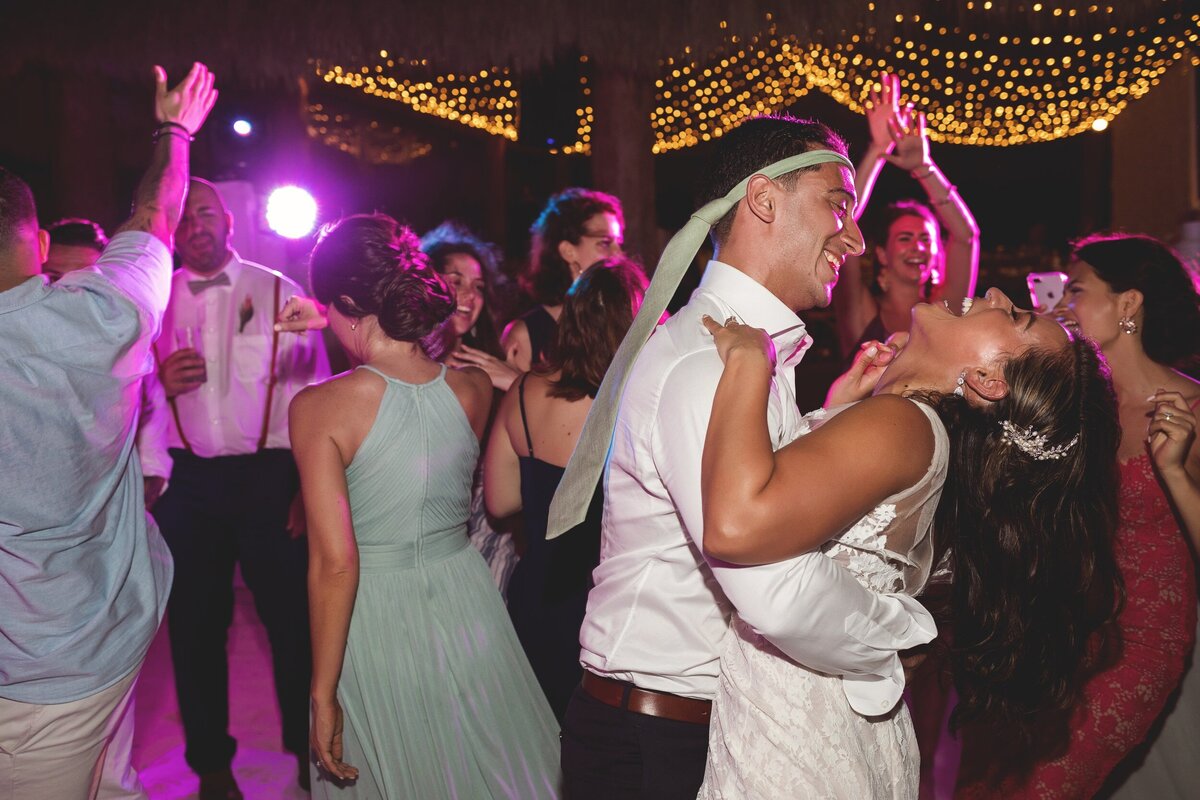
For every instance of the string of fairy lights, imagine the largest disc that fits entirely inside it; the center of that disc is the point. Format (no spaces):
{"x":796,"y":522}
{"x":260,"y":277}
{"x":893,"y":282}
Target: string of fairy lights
{"x":364,"y":138}
{"x":487,"y":99}
{"x":698,"y":101}
{"x":1076,"y":71}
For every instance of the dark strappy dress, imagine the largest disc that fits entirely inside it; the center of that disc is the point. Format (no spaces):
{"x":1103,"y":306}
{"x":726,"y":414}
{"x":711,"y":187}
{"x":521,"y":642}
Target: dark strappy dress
{"x":547,"y":595}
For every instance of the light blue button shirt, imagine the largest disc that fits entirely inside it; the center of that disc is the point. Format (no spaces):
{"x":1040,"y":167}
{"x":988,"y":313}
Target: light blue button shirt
{"x":84,"y":574}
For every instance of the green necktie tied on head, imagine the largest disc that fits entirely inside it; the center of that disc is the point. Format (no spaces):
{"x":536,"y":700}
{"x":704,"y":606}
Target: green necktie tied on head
{"x":583,"y":472}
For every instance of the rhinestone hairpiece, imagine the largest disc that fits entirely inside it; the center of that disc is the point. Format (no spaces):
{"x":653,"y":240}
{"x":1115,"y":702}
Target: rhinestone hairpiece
{"x":1033,"y":444}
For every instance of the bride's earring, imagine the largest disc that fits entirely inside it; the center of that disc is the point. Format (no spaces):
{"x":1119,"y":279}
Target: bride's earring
{"x":962,"y":379}
{"x":353,"y":326}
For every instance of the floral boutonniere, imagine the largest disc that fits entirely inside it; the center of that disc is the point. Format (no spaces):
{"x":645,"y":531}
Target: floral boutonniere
{"x":245,"y":313}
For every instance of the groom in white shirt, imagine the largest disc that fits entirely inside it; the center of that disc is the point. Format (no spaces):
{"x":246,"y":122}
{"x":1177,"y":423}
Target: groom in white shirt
{"x":637,"y":727}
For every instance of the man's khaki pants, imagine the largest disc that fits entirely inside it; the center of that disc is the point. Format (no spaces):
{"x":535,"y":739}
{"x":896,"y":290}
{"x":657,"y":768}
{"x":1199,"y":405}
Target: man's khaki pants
{"x":57,"y":751}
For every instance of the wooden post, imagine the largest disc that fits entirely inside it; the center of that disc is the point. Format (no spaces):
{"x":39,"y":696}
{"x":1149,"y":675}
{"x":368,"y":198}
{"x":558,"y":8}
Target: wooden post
{"x":495,"y":194}
{"x":1154,"y":173}
{"x":622,"y":161}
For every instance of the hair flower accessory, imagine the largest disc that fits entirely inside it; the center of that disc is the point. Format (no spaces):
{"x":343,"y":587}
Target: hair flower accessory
{"x":1033,"y":443}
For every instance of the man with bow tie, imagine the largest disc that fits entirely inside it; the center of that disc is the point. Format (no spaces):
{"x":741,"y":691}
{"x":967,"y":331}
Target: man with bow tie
{"x":234,"y":493}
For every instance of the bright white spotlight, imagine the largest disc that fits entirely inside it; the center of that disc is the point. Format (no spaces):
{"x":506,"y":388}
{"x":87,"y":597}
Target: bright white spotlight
{"x":242,"y":127}
{"x":291,"y":212}
{"x":1099,"y":124}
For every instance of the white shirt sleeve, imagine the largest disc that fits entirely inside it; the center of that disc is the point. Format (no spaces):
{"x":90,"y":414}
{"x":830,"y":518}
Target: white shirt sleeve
{"x":139,"y":265}
{"x":811,"y":608}
{"x":152,"y":429}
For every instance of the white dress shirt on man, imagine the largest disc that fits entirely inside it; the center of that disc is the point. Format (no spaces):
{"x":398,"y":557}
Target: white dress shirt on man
{"x":659,"y":610}
{"x":154,"y":426}
{"x":231,"y":325}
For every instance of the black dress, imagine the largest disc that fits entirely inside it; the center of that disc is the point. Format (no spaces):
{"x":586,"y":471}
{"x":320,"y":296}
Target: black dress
{"x":547,"y":594}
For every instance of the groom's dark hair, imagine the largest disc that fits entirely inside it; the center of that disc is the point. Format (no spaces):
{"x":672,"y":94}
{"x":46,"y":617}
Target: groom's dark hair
{"x":760,"y":142}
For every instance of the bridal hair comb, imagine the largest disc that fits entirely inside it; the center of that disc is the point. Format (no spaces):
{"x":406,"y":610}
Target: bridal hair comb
{"x":1033,"y":444}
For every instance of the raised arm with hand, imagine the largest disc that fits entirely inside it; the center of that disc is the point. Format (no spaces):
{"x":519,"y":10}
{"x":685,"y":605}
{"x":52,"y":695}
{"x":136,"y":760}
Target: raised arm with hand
{"x":883,"y":115}
{"x":961,"y":231}
{"x":181,"y":111}
{"x":851,"y":298}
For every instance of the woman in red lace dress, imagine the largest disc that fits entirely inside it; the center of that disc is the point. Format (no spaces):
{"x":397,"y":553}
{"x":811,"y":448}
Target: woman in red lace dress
{"x":1132,"y":736}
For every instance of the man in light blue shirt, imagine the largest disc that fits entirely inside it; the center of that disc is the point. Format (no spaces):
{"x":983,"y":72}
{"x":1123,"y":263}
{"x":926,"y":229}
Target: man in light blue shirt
{"x":84,"y":574}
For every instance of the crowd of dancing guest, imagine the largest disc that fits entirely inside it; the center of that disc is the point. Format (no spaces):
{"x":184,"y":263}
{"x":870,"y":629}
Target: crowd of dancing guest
{"x":730,"y":615}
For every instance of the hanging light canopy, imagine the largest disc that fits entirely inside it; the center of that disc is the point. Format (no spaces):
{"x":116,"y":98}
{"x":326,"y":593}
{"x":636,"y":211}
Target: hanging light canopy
{"x":984,"y":73}
{"x":486,"y":99}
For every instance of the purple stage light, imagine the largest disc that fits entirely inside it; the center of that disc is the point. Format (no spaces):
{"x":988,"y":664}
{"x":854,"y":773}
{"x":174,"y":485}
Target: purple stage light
{"x":242,"y":127}
{"x":291,"y":212}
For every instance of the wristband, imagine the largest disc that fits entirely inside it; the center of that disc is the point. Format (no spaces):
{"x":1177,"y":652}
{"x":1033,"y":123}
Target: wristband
{"x":159,"y":134}
{"x":174,"y":128}
{"x":927,"y":173}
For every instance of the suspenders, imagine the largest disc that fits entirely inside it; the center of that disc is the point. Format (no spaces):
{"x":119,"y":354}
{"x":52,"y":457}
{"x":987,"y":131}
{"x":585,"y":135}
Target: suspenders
{"x":262,"y":439}
{"x":271,"y":381}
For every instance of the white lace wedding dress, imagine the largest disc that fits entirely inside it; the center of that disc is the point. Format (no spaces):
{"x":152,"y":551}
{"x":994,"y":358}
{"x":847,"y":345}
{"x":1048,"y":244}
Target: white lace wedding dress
{"x":780,"y":730}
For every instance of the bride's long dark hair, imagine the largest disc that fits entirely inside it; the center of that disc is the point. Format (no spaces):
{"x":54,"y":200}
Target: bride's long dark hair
{"x":1036,"y":586}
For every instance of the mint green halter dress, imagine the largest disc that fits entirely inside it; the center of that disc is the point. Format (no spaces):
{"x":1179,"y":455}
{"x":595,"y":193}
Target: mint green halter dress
{"x":438,"y":697}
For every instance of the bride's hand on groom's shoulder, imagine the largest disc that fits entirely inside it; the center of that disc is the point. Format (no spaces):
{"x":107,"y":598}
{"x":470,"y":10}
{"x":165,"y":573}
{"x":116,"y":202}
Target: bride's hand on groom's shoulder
{"x":864,"y":373}
{"x":733,"y":336}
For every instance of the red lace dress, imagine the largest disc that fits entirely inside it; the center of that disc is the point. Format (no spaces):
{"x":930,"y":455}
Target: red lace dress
{"x":1158,"y":628}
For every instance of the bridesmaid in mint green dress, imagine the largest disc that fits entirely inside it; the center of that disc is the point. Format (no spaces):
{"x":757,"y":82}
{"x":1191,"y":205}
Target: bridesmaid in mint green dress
{"x":420,"y":688}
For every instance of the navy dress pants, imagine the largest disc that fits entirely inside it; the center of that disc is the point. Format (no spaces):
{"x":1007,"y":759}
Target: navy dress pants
{"x":218,"y":513}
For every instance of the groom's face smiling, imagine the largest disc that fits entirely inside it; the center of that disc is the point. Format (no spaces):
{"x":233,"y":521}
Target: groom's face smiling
{"x":817,"y":233}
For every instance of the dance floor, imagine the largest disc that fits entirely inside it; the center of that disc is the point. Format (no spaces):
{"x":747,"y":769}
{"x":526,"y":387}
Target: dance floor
{"x":263,"y":769}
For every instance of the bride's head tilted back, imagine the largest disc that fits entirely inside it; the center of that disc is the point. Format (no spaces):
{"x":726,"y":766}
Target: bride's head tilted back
{"x":1028,"y":510}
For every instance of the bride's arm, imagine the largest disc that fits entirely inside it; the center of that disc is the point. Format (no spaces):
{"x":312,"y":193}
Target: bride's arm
{"x":762,"y":506}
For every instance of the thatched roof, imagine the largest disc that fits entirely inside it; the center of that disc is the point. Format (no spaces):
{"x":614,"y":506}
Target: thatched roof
{"x":267,"y":41}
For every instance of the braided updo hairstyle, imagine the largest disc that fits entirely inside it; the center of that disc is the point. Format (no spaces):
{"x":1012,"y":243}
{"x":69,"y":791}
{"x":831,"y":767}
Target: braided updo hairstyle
{"x":1036,"y":586}
{"x":371,"y":265}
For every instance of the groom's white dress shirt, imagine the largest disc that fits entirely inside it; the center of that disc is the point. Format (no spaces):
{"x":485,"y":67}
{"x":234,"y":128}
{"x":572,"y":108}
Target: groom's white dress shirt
{"x":659,"y":609}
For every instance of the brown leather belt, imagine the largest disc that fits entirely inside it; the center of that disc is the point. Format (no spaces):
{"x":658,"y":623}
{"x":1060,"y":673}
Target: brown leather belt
{"x":621,"y":694}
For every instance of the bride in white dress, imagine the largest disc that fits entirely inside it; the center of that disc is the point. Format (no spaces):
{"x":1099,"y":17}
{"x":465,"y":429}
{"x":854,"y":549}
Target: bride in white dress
{"x":863,"y":484}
